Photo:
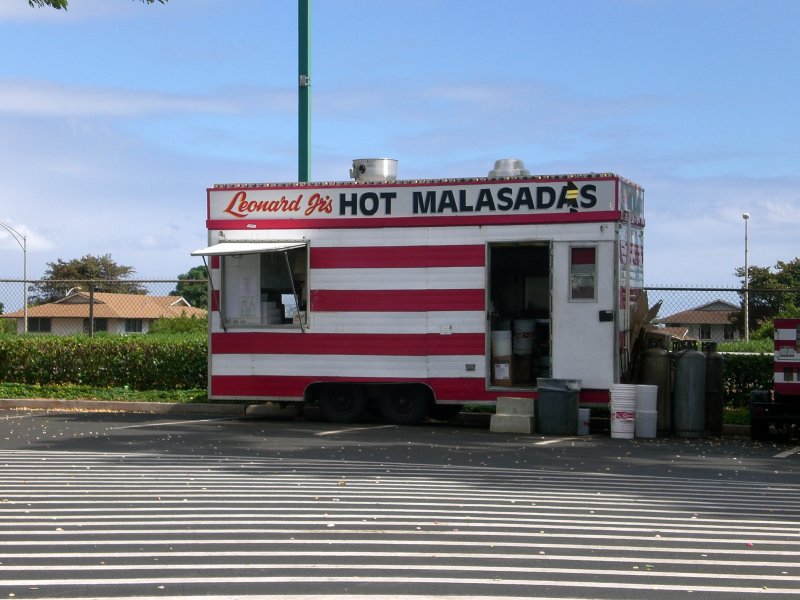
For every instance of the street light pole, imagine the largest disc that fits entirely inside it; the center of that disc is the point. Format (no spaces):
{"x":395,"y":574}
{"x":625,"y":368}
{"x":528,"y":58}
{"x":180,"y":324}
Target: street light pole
{"x":23,"y":243}
{"x":304,"y":94}
{"x":746,"y":216}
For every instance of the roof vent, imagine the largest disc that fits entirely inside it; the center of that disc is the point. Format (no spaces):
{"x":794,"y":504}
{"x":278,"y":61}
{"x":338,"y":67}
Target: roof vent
{"x":374,"y":170}
{"x":508,"y":167}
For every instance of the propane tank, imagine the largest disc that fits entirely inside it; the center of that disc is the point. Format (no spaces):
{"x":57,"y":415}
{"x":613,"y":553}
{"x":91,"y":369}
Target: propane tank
{"x":715,"y":387}
{"x":656,"y":369}
{"x":688,"y":405}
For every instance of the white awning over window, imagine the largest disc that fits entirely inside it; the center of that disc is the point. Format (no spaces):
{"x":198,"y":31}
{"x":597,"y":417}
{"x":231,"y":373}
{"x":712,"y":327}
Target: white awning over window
{"x":226,"y":248}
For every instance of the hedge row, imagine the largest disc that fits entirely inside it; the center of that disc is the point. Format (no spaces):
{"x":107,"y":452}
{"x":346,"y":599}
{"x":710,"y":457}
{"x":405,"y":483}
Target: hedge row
{"x":139,"y":362}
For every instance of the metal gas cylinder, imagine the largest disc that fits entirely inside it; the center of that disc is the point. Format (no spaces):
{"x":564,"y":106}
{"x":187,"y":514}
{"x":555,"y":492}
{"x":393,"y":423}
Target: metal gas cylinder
{"x":656,"y":369}
{"x":688,"y":402}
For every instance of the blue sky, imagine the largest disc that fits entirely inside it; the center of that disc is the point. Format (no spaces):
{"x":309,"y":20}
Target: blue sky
{"x":116,"y":115}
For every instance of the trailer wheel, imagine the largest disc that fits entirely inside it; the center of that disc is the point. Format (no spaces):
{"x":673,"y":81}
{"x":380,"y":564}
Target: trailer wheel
{"x":404,"y":404}
{"x":342,"y":403}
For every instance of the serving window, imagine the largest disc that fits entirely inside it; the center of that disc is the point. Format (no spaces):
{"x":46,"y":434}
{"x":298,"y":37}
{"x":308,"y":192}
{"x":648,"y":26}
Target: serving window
{"x":264,"y":284}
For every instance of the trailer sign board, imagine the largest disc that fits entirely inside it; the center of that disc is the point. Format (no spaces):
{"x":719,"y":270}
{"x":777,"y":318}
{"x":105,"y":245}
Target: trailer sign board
{"x":466,"y":198}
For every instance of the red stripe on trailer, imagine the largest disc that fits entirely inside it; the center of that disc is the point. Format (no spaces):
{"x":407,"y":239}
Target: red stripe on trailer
{"x":788,"y":388}
{"x":255,"y":386}
{"x":785,"y":344}
{"x":348,"y":344}
{"x":398,"y":257}
{"x":426,"y":221}
{"x":593,"y":397}
{"x":396,"y":300}
{"x":790,"y":324}
{"x":781,"y":365}
{"x":215,"y":301}
{"x":275,"y":386}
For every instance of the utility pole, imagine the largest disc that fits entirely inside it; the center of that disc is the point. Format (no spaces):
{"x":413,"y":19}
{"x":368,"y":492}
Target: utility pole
{"x":304,"y":95}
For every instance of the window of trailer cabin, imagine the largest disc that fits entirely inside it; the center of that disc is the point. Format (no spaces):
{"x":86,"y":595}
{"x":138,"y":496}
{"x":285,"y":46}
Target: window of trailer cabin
{"x":265,"y":289}
{"x":583,"y":274}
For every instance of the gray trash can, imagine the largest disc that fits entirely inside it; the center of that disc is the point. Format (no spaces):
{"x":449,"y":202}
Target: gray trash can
{"x":557,"y":406}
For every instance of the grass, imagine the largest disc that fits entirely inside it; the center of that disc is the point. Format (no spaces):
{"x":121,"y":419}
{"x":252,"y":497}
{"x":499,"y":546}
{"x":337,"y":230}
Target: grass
{"x":760,"y":346}
{"x":83,"y":392}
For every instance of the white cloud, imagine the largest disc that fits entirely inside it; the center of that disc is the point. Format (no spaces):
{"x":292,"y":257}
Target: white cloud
{"x":47,"y":99}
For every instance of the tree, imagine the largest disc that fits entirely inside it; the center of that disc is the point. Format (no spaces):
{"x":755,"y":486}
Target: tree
{"x":773,"y":293}
{"x":62,"y":4}
{"x":100,"y":271}
{"x":193,"y":286}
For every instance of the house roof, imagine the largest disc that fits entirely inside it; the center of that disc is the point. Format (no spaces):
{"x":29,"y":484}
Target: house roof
{"x":113,"y":306}
{"x":717,"y":312}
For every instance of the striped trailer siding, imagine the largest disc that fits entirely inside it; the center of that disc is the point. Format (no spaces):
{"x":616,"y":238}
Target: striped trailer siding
{"x":787,"y":357}
{"x":397,"y":313}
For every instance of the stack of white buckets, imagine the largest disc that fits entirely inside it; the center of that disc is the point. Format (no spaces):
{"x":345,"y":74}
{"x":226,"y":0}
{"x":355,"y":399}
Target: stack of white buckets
{"x":633,"y":411}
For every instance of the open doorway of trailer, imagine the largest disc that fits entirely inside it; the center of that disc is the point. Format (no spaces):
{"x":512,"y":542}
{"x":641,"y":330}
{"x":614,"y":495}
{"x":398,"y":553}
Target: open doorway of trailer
{"x":519,"y":291}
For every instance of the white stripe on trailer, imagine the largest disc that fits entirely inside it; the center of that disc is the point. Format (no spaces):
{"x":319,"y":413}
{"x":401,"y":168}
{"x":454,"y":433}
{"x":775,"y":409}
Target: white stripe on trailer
{"x":354,"y":366}
{"x":786,"y":334}
{"x":431,"y":278}
{"x":441,"y":322}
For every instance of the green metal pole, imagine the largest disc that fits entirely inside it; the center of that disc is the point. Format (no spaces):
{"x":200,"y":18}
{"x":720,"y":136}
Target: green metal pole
{"x":304,"y":95}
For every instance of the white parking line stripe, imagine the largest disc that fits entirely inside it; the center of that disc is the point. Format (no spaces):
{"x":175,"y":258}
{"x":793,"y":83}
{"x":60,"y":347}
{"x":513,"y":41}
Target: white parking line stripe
{"x":795,"y":450}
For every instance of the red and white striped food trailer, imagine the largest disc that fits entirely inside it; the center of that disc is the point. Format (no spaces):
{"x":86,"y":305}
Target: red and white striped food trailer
{"x":420,"y":295}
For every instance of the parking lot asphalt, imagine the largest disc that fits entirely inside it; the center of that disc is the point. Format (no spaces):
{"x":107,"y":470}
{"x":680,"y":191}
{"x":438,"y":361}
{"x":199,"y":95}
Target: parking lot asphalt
{"x":232,"y":410}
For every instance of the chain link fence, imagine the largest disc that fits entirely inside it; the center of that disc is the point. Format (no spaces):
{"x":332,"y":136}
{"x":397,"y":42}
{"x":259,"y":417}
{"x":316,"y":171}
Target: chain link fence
{"x":718,"y":314}
{"x":64,"y":307}
{"x":69,"y":307}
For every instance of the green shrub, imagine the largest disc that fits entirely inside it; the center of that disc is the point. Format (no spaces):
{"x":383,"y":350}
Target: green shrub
{"x":191,"y":324}
{"x":140,"y":362}
{"x":744,"y":373}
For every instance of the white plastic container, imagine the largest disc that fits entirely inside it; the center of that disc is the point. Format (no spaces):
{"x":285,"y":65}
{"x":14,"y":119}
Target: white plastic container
{"x":646,"y":398}
{"x":523,"y":336}
{"x":501,"y":343}
{"x":646,"y":424}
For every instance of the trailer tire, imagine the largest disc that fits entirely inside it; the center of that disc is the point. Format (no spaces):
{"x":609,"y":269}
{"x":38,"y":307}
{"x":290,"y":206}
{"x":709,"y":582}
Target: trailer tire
{"x":404,"y":404}
{"x":342,"y":403}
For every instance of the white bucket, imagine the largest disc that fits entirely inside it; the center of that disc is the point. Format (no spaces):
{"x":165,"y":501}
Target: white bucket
{"x":584,"y":418}
{"x":523,"y":336}
{"x":646,"y":398}
{"x":623,"y":392}
{"x":623,"y":423}
{"x":646,"y":424}
{"x":501,"y":343}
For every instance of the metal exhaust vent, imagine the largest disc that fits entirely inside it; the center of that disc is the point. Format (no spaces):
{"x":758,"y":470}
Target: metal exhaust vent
{"x":374,"y":170}
{"x":508,"y":167}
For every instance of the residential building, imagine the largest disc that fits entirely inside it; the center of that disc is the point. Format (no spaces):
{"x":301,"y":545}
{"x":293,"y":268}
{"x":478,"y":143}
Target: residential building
{"x":111,"y":313}
{"x":712,"y":322}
